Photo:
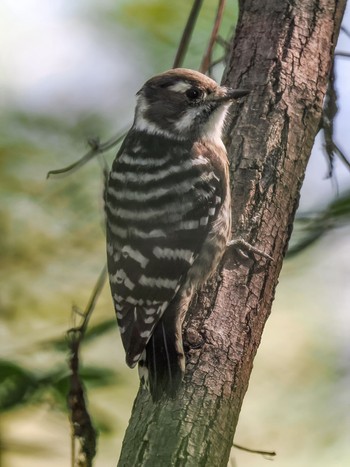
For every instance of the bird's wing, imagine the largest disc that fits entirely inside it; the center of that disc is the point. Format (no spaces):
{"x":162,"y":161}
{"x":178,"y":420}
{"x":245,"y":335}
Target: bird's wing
{"x":158,"y":217}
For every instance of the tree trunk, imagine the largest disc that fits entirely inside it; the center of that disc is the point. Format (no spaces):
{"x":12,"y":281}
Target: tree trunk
{"x":283,"y":52}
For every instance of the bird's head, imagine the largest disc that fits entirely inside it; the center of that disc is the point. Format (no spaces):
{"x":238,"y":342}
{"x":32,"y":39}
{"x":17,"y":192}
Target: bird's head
{"x":183,"y":104}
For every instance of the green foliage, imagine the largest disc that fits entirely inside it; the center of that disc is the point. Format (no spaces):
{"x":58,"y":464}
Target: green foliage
{"x":93,"y":377}
{"x":160,"y":24}
{"x":17,"y":385}
{"x":93,"y":332}
{"x":20,"y":386}
{"x":156,"y":18}
{"x":309,"y":228}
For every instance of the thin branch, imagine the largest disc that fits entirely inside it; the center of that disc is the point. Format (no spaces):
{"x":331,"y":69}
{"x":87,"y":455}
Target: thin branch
{"x":342,"y":156}
{"x":207,"y":59}
{"x":93,"y":300}
{"x":255,"y":451}
{"x":327,"y":122}
{"x":96,"y":148}
{"x":345,"y":30}
{"x":83,"y":431}
{"x":342,"y":54}
{"x":327,"y":125}
{"x":187,"y":33}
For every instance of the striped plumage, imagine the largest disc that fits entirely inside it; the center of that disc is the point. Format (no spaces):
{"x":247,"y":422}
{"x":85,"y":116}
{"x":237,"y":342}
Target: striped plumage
{"x":168,"y":218}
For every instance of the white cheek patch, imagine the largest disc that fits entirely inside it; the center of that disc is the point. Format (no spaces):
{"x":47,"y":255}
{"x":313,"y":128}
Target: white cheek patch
{"x":186,"y":121}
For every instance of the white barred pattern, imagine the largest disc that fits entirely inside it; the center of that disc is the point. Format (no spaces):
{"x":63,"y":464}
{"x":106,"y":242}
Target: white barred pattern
{"x":135,"y":255}
{"x":118,"y":231}
{"x":159,"y":282}
{"x":118,"y":298}
{"x":176,"y":253}
{"x":142,"y":161}
{"x":120,"y":277}
{"x":167,"y":219}
{"x":132,"y":195}
{"x":143,"y":234}
{"x":146,"y":333}
{"x":134,"y":177}
{"x":150,"y":311}
{"x":155,"y":233}
{"x":187,"y":225}
{"x":149,"y":320}
{"x":134,"y":301}
{"x":175,"y":211}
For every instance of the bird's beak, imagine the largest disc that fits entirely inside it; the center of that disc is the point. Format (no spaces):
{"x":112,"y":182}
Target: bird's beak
{"x":231,"y":94}
{"x":236,"y":93}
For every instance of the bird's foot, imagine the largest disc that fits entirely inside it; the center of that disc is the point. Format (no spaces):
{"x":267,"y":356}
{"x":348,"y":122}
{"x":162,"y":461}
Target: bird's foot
{"x":242,"y":246}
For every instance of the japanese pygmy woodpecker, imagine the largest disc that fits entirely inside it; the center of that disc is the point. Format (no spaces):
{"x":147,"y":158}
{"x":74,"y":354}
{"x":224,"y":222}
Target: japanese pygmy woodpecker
{"x":168,"y":212}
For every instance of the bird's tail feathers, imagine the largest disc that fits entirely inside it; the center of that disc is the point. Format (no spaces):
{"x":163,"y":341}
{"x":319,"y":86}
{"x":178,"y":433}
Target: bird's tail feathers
{"x":162,"y":364}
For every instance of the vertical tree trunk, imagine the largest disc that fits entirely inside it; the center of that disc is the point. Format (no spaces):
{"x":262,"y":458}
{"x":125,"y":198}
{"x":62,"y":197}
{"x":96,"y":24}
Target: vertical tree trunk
{"x":283,"y":52}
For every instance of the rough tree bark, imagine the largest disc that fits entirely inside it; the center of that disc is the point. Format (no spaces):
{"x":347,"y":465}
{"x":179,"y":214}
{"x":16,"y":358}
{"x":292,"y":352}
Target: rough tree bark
{"x":282,"y":51}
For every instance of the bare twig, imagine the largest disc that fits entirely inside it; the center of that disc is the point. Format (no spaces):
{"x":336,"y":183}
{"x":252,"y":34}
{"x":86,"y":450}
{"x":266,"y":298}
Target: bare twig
{"x":342,"y":156}
{"x":207,"y":59}
{"x":329,"y":112}
{"x":327,"y":125}
{"x":187,"y":33}
{"x":82,"y":427}
{"x":96,"y":148}
{"x":255,"y":451}
{"x":345,"y":30}
{"x":342,"y":54}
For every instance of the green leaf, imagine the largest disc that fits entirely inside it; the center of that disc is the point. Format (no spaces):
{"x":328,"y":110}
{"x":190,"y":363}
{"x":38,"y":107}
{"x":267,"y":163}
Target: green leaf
{"x":16,"y":385}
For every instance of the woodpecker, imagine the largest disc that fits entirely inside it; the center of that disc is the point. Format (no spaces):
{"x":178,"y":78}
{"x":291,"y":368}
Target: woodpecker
{"x":168,"y":215}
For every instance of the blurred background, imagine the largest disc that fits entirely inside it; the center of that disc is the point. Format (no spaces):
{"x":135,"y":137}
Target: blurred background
{"x":69,"y":72}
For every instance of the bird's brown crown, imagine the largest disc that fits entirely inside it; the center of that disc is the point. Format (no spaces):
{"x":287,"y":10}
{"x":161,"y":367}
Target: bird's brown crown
{"x":182,"y":104}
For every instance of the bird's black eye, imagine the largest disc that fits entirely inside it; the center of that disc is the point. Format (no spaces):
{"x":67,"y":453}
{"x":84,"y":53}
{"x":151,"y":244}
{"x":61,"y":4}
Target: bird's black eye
{"x":194,"y":94}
